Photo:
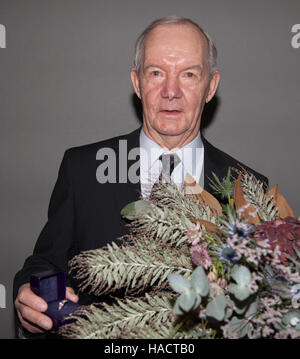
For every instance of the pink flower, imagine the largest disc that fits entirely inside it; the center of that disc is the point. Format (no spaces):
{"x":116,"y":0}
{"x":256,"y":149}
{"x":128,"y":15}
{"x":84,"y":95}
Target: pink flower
{"x":212,"y":276}
{"x":194,"y":234}
{"x":200,"y":256}
{"x":222,"y":283}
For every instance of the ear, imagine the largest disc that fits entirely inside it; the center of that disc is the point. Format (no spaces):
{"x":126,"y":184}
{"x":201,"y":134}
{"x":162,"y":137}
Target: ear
{"x":135,"y":82}
{"x":213,"y":85}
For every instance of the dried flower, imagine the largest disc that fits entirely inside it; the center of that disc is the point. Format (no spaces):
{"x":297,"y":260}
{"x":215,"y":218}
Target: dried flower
{"x":233,"y":225}
{"x":194,"y":234}
{"x":222,"y":282}
{"x":282,"y":232}
{"x":229,"y":255}
{"x":212,"y":275}
{"x":200,"y":256}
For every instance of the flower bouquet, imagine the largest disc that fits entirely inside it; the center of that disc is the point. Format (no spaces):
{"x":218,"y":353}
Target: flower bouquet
{"x":192,"y":267}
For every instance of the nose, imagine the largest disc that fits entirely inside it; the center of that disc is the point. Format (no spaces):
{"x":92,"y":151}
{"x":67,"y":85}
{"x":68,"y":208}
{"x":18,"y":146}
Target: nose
{"x":171,"y":88}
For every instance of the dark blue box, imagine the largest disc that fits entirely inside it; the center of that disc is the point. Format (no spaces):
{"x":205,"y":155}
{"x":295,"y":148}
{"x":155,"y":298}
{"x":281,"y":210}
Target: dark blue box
{"x":51,"y":286}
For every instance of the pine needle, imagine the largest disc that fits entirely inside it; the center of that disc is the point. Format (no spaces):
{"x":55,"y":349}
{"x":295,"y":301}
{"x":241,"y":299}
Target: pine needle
{"x":131,"y":267}
{"x":254,"y":194}
{"x":111,"y":321}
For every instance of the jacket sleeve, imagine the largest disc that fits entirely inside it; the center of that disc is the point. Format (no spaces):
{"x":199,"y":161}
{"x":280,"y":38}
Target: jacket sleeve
{"x":52,"y":249}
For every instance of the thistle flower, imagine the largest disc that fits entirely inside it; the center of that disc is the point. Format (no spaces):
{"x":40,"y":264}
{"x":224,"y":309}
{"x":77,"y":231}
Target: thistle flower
{"x":241,"y":229}
{"x":228,"y":255}
{"x":233,"y":225}
{"x":280,"y":285}
{"x":281,"y":232}
{"x":224,"y":188}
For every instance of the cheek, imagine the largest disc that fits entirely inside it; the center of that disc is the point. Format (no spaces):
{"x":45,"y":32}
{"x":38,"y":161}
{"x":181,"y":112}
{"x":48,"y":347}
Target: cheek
{"x":194,"y":98}
{"x":151,"y":98}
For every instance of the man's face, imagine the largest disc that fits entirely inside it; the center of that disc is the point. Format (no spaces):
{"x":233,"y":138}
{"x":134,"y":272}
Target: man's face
{"x":174,"y":82}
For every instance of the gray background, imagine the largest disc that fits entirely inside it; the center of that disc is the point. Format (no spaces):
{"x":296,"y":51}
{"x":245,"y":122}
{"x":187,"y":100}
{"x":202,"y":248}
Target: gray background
{"x":64,"y":81}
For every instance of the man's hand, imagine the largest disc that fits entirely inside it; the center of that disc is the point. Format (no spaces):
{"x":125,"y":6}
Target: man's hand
{"x":30,"y":307}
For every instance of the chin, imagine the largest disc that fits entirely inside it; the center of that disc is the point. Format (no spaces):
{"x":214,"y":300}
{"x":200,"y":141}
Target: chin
{"x":170,"y":128}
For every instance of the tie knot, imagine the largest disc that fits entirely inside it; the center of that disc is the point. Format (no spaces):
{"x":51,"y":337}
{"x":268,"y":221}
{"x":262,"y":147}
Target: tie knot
{"x":169,"y":162}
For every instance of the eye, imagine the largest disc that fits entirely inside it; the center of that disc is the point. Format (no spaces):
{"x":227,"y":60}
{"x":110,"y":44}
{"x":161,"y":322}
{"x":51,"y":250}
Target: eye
{"x":155,"y":73}
{"x":190,"y":74}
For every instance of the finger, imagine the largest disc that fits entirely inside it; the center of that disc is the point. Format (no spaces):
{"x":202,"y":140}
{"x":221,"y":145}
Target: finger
{"x":36,"y":318}
{"x":70,"y":294}
{"x":29,"y":326}
{"x":28,"y":298}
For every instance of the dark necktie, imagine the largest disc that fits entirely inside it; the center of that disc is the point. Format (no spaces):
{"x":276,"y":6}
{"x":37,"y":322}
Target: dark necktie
{"x":169,"y":162}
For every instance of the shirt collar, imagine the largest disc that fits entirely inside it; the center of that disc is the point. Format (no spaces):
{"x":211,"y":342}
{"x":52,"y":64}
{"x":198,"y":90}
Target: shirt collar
{"x":154,"y":150}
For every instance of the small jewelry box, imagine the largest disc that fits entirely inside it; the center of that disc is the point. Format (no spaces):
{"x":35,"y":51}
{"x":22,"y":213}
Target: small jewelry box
{"x":51,"y":286}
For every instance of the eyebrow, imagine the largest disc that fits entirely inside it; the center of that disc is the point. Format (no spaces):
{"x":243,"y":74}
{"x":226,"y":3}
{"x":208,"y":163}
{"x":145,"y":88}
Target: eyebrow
{"x":194,"y":67}
{"x":151,"y":65}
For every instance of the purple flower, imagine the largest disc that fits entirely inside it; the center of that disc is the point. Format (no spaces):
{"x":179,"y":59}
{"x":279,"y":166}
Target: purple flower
{"x":200,"y":256}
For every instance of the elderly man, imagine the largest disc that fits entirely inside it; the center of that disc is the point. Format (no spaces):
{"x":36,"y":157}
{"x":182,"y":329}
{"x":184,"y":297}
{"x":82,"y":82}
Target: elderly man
{"x":174,"y":76}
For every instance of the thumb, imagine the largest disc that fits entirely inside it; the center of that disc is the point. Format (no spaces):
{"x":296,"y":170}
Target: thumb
{"x":70,"y":294}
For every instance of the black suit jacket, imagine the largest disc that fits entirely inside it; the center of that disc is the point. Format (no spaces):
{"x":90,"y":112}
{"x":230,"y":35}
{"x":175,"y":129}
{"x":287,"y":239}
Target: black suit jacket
{"x":84,"y":214}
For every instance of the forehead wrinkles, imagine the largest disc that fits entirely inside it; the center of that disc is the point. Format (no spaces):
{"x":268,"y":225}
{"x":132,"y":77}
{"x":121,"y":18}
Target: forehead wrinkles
{"x":171,"y":43}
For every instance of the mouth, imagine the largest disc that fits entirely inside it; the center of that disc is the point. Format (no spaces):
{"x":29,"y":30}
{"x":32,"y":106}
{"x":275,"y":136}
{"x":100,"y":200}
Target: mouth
{"x":171,"y":112}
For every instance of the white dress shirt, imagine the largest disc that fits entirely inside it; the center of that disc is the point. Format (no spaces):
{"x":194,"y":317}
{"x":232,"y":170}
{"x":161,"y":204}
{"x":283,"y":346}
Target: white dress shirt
{"x":191,"y":161}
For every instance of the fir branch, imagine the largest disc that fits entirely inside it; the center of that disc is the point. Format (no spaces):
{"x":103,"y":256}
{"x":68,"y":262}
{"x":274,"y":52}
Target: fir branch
{"x":131,"y":267}
{"x":116,"y":320}
{"x":167,"y":196}
{"x":161,"y":330}
{"x":255,"y":195}
{"x":163,"y":226}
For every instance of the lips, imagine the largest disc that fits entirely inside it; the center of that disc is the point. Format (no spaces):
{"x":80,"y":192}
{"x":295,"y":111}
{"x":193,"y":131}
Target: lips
{"x":170,"y":110}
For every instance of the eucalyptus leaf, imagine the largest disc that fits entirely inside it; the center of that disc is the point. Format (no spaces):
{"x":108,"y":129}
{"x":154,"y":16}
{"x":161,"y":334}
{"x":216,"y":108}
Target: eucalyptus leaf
{"x":216,"y":308}
{"x":200,"y":282}
{"x":179,"y":283}
{"x":134,"y":209}
{"x":229,"y":308}
{"x":240,"y":292}
{"x":197,"y":302}
{"x":253,"y":307}
{"x":241,"y":275}
{"x":237,"y":328}
{"x":177,"y":310}
{"x":240,"y":310}
{"x":187,"y":299}
{"x":292,"y":318}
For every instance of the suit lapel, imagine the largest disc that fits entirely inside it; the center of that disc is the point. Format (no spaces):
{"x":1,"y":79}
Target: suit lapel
{"x":214,"y":162}
{"x":125,"y":193}
{"x":209,"y":165}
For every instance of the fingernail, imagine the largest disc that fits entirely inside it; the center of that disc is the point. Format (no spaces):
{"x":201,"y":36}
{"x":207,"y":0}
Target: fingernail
{"x":45,"y":324}
{"x":41,"y":307}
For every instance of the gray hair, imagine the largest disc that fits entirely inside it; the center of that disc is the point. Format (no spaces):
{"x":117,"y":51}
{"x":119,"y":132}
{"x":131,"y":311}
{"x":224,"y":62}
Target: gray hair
{"x":176,"y":20}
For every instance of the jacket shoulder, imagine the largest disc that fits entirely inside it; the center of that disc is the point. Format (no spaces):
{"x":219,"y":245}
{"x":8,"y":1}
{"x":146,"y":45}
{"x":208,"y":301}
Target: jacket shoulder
{"x":112,"y":142}
{"x":221,"y":160}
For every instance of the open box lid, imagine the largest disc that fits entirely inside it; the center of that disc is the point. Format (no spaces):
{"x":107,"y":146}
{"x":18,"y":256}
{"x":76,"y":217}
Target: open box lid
{"x":50,"y":285}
